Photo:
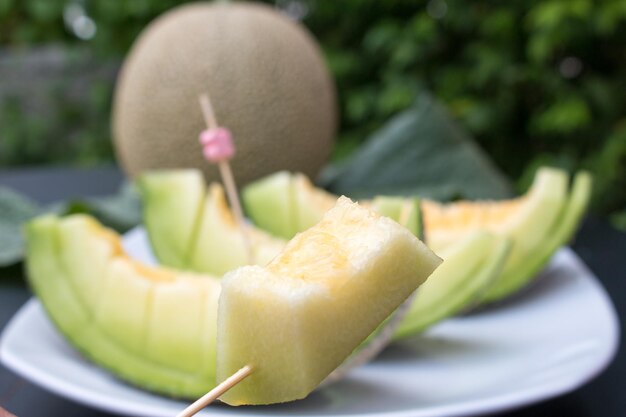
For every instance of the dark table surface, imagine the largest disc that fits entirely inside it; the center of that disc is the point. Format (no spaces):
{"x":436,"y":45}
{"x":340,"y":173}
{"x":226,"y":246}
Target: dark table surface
{"x":601,"y":247}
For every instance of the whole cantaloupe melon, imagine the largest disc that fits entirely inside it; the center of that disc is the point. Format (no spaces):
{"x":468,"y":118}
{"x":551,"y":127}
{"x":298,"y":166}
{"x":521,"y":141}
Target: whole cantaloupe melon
{"x":265,"y":76}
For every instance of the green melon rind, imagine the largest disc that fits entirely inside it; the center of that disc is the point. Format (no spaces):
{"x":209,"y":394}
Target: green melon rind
{"x":558,"y":235}
{"x":269,"y":202}
{"x":548,"y":198}
{"x":77,"y":321}
{"x":447,"y":292}
{"x":172,"y":222}
{"x":406,"y":211}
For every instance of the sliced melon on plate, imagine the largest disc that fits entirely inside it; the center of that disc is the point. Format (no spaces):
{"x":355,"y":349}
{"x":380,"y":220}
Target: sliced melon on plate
{"x":172,"y":221}
{"x":558,"y":234}
{"x":284,"y":204}
{"x":405,"y":211}
{"x":470,"y":267}
{"x":219,"y":244}
{"x":152,"y":327}
{"x":530,"y":222}
{"x":527,"y":221}
{"x":193,"y":229}
{"x":298,"y":318}
{"x":272,"y":199}
{"x":157,"y":328}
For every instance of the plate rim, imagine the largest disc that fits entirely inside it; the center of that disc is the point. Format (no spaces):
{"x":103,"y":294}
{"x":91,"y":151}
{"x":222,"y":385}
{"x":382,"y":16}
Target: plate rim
{"x":491,"y":404}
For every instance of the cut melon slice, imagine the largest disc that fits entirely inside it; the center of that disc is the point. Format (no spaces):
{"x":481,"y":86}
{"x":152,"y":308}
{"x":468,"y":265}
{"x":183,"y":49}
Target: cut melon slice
{"x":298,"y":318}
{"x":560,"y":232}
{"x":481,"y":256}
{"x":154,"y":328}
{"x":284,"y":204}
{"x":527,"y":221}
{"x":272,"y":199}
{"x":219,"y":244}
{"x":534,"y":223}
{"x":405,"y":211}
{"x":193,"y":229}
{"x":172,"y":221}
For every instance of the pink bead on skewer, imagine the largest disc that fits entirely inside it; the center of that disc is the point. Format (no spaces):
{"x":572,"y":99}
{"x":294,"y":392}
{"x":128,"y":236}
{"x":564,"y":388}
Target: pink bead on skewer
{"x":217,"y":145}
{"x":218,"y":148}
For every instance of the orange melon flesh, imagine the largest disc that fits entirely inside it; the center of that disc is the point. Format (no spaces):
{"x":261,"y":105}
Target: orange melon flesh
{"x":527,"y":221}
{"x":298,"y":318}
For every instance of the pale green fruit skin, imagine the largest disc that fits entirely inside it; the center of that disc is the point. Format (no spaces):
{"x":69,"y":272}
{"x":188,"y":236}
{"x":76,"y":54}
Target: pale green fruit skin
{"x":158,"y":336}
{"x":192,"y":228}
{"x":287,"y":203}
{"x":177,"y":218}
{"x":528,"y":234}
{"x":469,"y":268}
{"x":295,"y":330}
{"x":560,"y":232}
{"x":219,"y":245}
{"x":266,"y":78}
{"x":550,"y":219}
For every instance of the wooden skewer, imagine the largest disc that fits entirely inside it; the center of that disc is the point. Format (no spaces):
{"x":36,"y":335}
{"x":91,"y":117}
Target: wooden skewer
{"x":216,"y":392}
{"x":227,"y":178}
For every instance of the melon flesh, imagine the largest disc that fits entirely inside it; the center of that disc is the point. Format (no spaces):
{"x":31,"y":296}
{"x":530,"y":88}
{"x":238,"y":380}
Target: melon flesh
{"x":152,"y":327}
{"x":470,"y":267}
{"x":298,"y":318}
{"x":527,"y":221}
{"x":192,"y":228}
{"x":172,"y":221}
{"x":219,"y":244}
{"x":284,"y":204}
{"x":561,"y":231}
{"x":534,"y":223}
{"x":405,"y":211}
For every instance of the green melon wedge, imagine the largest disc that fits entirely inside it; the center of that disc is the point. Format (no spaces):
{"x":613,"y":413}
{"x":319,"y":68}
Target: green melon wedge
{"x":559,"y":234}
{"x":406,"y":211}
{"x":448,"y":291}
{"x":153,"y":328}
{"x":285,"y":203}
{"x":269,"y":204}
{"x":219,"y":243}
{"x":300,"y":317}
{"x":192,"y":228}
{"x":171,"y":222}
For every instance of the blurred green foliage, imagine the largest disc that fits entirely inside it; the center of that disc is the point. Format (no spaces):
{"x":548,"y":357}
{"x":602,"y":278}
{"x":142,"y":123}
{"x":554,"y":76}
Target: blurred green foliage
{"x":536,"y":82}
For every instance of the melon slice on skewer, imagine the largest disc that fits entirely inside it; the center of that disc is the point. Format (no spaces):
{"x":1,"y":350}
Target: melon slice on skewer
{"x":297,"y":319}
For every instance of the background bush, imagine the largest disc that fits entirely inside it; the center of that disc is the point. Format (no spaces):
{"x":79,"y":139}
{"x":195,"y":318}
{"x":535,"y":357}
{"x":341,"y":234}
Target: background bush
{"x":536,"y":82}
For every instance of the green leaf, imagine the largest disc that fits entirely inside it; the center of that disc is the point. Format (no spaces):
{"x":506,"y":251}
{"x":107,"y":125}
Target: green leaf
{"x":120,"y":212}
{"x":420,"y":151}
{"x":15,"y":209}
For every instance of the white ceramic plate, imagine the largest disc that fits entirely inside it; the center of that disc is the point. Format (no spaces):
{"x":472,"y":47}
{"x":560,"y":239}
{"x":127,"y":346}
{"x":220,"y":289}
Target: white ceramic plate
{"x":548,"y":340}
